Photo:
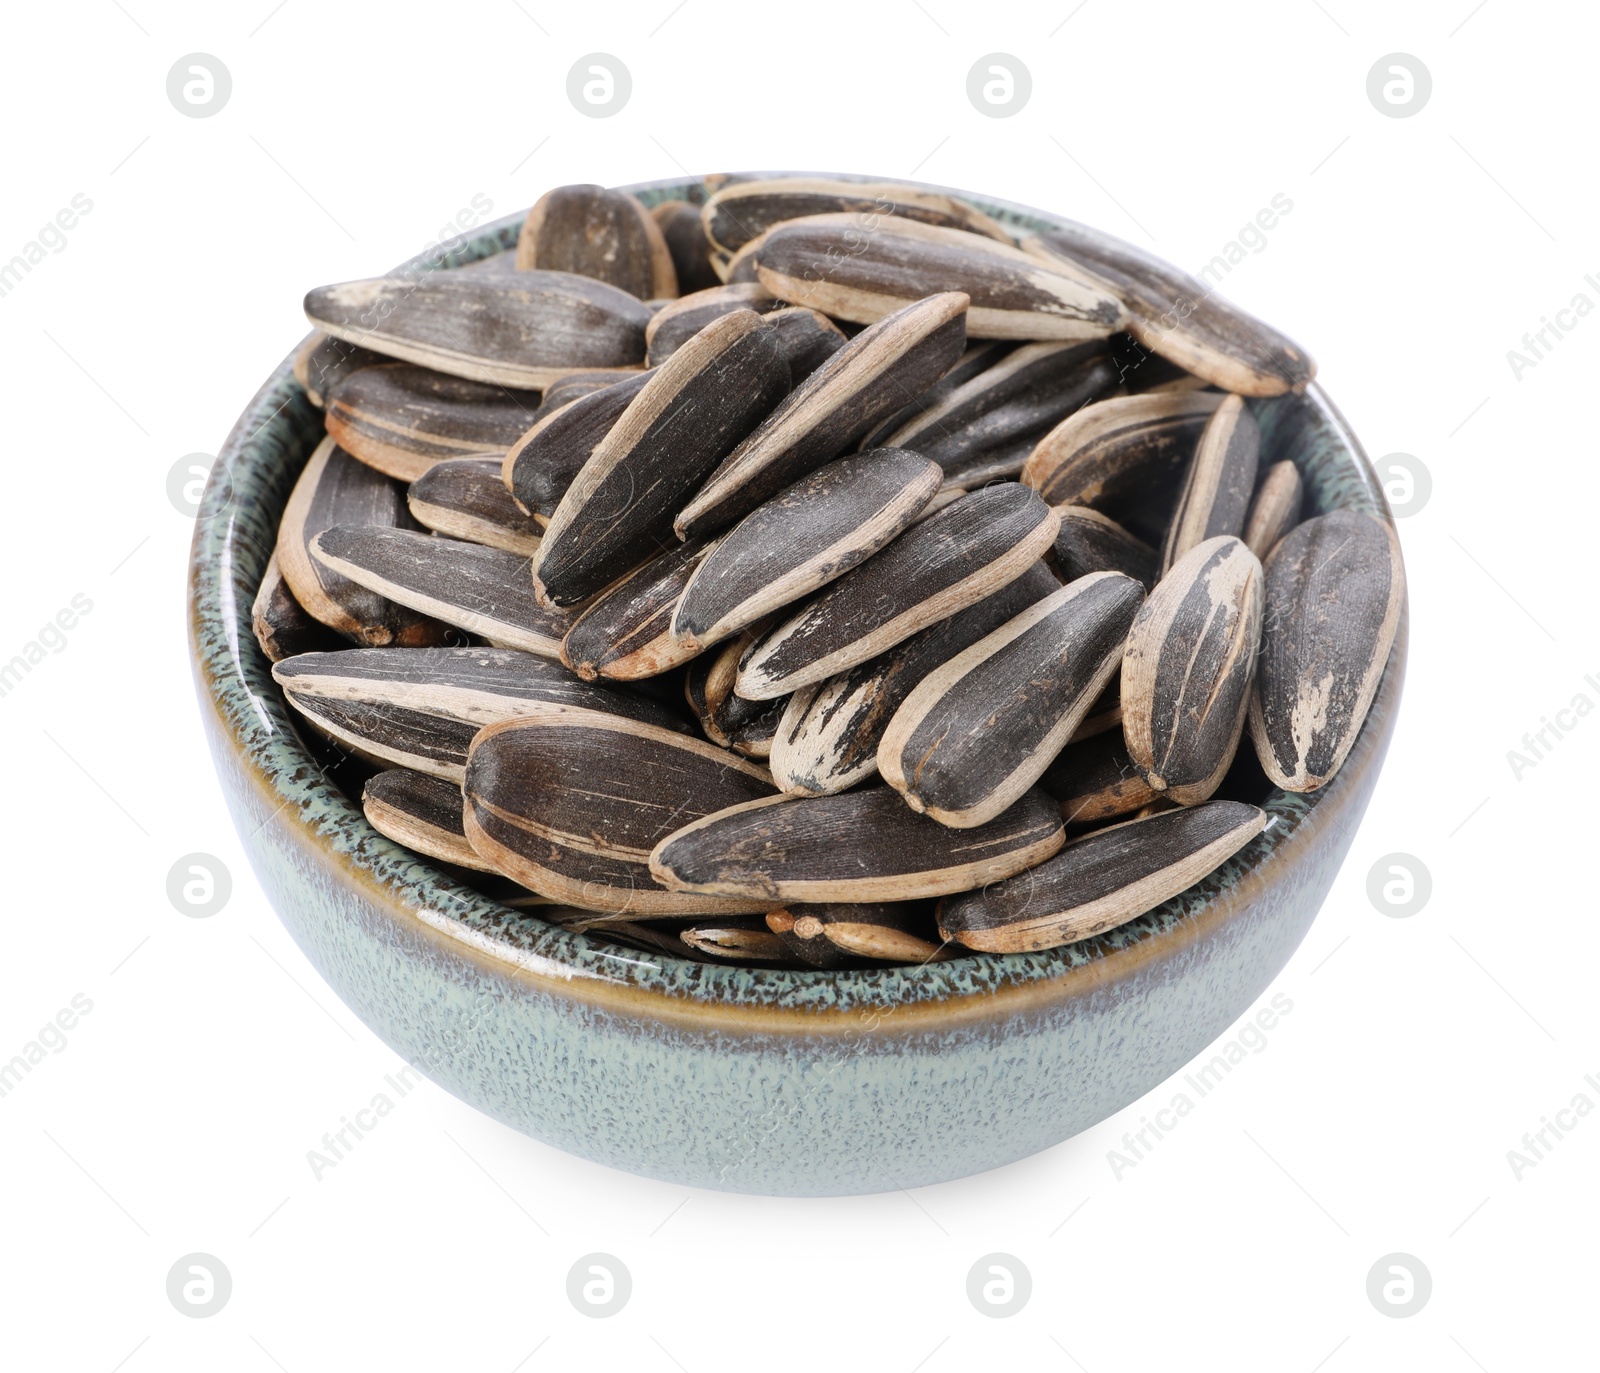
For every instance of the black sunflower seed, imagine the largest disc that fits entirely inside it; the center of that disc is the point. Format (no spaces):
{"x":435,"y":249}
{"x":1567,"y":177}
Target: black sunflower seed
{"x":422,"y":813}
{"x":466,"y":499}
{"x":1222,"y":474}
{"x":280,"y":622}
{"x":675,"y":324}
{"x":977,"y":357}
{"x":1275,"y":509}
{"x":321,"y":363}
{"x":626,"y":632}
{"x":1102,"y":880}
{"x":708,"y":688}
{"x":1095,"y":780}
{"x":686,"y":240}
{"x":1335,"y":587}
{"x":390,"y":736}
{"x":598,"y":233}
{"x":858,"y":846}
{"x":805,"y":338}
{"x":1091,"y":542}
{"x":541,"y":465}
{"x":980,"y":730}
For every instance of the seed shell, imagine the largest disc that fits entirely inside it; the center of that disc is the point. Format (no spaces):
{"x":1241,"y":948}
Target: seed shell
{"x":708,"y":688}
{"x":805,"y":338}
{"x":937,"y":567}
{"x":686,"y":240}
{"x":979,"y":731}
{"x":390,"y":736}
{"x":402,"y":419}
{"x":858,"y":846}
{"x":321,"y":363}
{"x":883,"y":931}
{"x":626,"y":632}
{"x":1096,"y":780}
{"x":1222,"y":474}
{"x":485,"y":591}
{"x":336,"y":489}
{"x":744,"y":211}
{"x":1102,"y":880}
{"x":1181,"y":318}
{"x":465,"y":498}
{"x":815,"y":952}
{"x":737,"y":939}
{"x":977,"y":357}
{"x":1334,"y":590}
{"x":831,"y":264}
{"x":619,"y":509}
{"x":828,"y":737}
{"x":870,"y":376}
{"x":422,"y":813}
{"x":809,"y":534}
{"x":524,"y":329}
{"x":280,"y":622}
{"x":572,"y":807}
{"x":541,"y":465}
{"x":1276,"y":508}
{"x":598,"y":233}
{"x":1092,"y":542}
{"x":675,"y":324}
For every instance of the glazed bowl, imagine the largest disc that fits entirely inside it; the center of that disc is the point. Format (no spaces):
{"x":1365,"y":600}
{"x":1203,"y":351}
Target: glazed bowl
{"x":748,"y":1080}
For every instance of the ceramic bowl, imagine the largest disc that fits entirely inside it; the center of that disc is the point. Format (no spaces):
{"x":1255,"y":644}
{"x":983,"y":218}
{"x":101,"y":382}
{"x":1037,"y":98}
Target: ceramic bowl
{"x":747,"y":1080}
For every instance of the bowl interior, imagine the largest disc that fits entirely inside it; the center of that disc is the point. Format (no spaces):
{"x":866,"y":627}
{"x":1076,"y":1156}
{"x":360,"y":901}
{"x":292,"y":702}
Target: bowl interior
{"x":234,"y":537}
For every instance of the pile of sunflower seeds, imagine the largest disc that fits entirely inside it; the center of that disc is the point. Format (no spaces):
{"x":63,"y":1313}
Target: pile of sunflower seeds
{"x":820,"y":576}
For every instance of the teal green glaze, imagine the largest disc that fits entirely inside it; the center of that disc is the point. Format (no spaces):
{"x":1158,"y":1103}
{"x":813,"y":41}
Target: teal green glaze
{"x":747,"y":1080}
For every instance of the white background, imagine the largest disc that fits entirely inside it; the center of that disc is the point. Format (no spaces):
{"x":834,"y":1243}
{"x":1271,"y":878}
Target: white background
{"x":1377,"y":1117}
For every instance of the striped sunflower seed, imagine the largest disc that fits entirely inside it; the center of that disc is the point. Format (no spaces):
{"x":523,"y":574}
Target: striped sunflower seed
{"x":572,"y":386}
{"x":421,"y":813}
{"x":1095,"y":780}
{"x":943,"y":564}
{"x":522,"y":330}
{"x":873,"y":374}
{"x":1222,"y":474}
{"x":833,"y":264}
{"x":1182,"y":319}
{"x":675,"y":324}
{"x":402,"y":419}
{"x":858,"y":846}
{"x":882,"y":931}
{"x":708,"y":688}
{"x":598,"y":233}
{"x":685,"y":237}
{"x":809,"y":534}
{"x":1091,"y":542}
{"x":572,"y":806}
{"x":466,"y":499}
{"x":1187,"y":670}
{"x":805,"y":338}
{"x":321,"y":363}
{"x":744,"y":211}
{"x":1335,"y":588}
{"x":1275,"y":509}
{"x":390,"y":736}
{"x":1020,"y":397}
{"x":541,"y":465}
{"x":1102,"y":880}
{"x":1104,"y":715}
{"x":336,"y":489}
{"x":979,"y":731}
{"x":626,"y":633}
{"x":280,"y":622}
{"x":977,"y":358}
{"x":485,"y":591}
{"x":828,"y":737}
{"x":698,"y":404}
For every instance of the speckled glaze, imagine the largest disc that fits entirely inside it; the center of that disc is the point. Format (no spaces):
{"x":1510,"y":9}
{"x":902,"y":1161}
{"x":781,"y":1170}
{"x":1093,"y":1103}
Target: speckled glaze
{"x":745,"y":1080}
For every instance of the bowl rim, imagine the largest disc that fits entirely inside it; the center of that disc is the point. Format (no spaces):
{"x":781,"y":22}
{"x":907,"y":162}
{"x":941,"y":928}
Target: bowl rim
{"x":248,"y":716}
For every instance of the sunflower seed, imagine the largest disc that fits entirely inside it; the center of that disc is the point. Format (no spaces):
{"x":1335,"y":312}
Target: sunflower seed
{"x":677,"y":323}
{"x":466,"y":499}
{"x":813,"y":952}
{"x":708,"y":688}
{"x":485,"y":591}
{"x":737,"y":939}
{"x":597,"y":233}
{"x":1095,"y":780}
{"x":322,"y":363}
{"x":1120,"y":455}
{"x":947,"y":562}
{"x":738,"y":269}
{"x":858,"y":846}
{"x":831,"y":264}
{"x":478,"y":686}
{"x":1104,"y":715}
{"x":1102,"y":880}
{"x":1182,"y":319}
{"x":742,"y":212}
{"x":1142,"y":371}
{"x":541,"y":465}
{"x":828,"y":737}
{"x":885,"y":931}
{"x":421,"y":813}
{"x":1335,"y":587}
{"x":1276,"y":508}
{"x":280,"y":622}
{"x":876,"y":372}
{"x":571,"y":807}
{"x":686,"y":240}
{"x":390,"y":736}
{"x":809,"y":534}
{"x":402,"y":419}
{"x":336,"y":489}
{"x":805,"y":338}
{"x":626,"y":632}
{"x":1186,"y":674}
{"x":974,"y":360}
{"x":522,"y":330}
{"x":636,"y":935}
{"x":1092,"y":542}
{"x":1021,"y":396}
{"x":980,"y":730}
{"x":573,"y":385}
{"x":693,"y":410}
{"x":1222,"y":474}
